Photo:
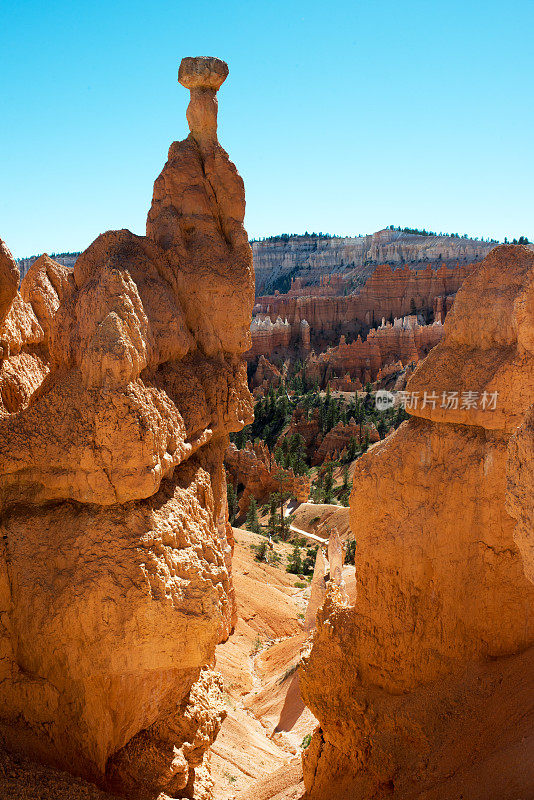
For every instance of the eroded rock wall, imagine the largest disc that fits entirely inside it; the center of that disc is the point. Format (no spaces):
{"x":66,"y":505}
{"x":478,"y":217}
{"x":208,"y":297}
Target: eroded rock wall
{"x":115,"y":558}
{"x":311,"y":257}
{"x":387,"y":293}
{"x":255,"y":468}
{"x":399,"y":344}
{"x":424,"y":687}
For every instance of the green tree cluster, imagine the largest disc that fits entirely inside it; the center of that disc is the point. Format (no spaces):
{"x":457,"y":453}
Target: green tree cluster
{"x":291,"y":454}
{"x":301,"y":561}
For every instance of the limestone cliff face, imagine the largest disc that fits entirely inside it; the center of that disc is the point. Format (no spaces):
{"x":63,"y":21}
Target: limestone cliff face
{"x":115,"y":550}
{"x":424,"y":687}
{"x":312,"y":256}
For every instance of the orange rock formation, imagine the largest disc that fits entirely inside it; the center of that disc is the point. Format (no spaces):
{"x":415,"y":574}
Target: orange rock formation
{"x":255,"y":468}
{"x":26,"y":329}
{"x":338,"y":439}
{"x":424,"y":687}
{"x":9,"y":281}
{"x":520,"y":494}
{"x":115,"y":550}
{"x":404,"y":341}
{"x":387,"y":293}
{"x":266,"y":375}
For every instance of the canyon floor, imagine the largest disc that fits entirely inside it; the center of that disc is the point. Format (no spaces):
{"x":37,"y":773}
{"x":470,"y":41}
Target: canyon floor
{"x":257,"y":752}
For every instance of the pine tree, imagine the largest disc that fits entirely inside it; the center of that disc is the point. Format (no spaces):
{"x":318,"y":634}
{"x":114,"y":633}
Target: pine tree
{"x":328,"y":398}
{"x":231,"y":497}
{"x":330,"y":417}
{"x":262,"y":552}
{"x":345,"y":484}
{"x":328,"y":484}
{"x":272,"y":525}
{"x":282,"y":478}
{"x":308,"y":562}
{"x":318,"y":488}
{"x":297,"y":450}
{"x":294,"y":561}
{"x":352,"y":449}
{"x":322,"y":417}
{"x":252,"y":522}
{"x":350,"y":552}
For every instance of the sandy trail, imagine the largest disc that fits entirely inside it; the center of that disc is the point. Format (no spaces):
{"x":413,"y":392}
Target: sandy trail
{"x":311,"y":536}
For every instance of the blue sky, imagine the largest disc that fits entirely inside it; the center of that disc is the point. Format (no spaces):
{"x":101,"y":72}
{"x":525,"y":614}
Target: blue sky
{"x":342,"y":117}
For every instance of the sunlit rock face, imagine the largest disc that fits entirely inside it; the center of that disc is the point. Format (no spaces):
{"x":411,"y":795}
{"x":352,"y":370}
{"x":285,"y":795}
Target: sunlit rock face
{"x":423,"y":688}
{"x":26,"y":326}
{"x":115,"y":551}
{"x":387,"y":293}
{"x":312,"y":257}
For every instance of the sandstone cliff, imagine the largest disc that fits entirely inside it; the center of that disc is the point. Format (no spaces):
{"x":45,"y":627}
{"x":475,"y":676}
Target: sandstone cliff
{"x":115,"y":551}
{"x":256,"y":469}
{"x":338,"y":440}
{"x":520,"y":489}
{"x":391,"y":345}
{"x":9,"y":281}
{"x":424,"y":687}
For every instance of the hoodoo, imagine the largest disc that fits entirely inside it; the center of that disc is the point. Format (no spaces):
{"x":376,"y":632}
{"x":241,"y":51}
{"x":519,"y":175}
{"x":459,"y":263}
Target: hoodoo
{"x":424,"y":687}
{"x":115,"y":550}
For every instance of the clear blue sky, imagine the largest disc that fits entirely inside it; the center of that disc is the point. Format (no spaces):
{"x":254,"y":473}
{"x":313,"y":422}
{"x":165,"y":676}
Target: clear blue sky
{"x":342,"y":117}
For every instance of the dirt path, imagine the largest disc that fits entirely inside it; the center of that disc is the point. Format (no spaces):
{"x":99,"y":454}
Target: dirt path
{"x":311,"y":536}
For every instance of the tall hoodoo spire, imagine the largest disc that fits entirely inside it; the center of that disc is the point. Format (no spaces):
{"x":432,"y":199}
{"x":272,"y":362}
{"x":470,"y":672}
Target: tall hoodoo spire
{"x":203,"y":76}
